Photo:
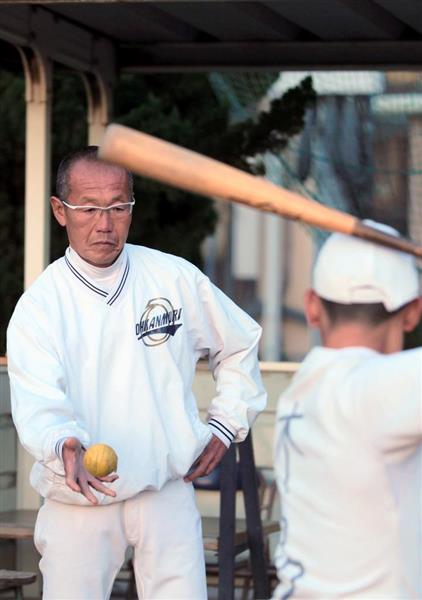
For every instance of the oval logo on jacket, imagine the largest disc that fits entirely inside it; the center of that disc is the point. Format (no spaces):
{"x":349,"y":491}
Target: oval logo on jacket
{"x":158,"y":322}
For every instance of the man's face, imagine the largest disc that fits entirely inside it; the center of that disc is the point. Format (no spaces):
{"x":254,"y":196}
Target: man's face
{"x":98,"y":239}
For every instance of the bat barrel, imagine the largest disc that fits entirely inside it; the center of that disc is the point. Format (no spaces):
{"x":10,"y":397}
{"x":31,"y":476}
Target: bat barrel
{"x":154,"y":158}
{"x":182,"y":168}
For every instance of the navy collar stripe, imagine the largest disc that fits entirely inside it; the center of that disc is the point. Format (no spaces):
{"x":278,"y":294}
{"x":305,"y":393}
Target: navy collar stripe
{"x":121,"y":285}
{"x":85,"y":281}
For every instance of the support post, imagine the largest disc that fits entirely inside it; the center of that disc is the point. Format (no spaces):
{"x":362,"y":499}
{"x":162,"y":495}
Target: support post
{"x":272,"y":272}
{"x":38,"y":97}
{"x":100,"y":99}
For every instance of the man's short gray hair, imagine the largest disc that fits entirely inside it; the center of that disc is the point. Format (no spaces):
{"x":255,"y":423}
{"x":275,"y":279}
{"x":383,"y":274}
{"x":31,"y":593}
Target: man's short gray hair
{"x":90,"y":154}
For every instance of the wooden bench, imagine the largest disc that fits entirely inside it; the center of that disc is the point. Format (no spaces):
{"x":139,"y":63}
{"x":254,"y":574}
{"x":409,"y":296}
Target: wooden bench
{"x":15,"y":580}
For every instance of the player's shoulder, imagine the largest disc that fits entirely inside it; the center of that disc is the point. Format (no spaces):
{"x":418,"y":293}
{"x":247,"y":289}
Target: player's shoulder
{"x":353,"y":374}
{"x":144,"y":257}
{"x":326,"y":368}
{"x":350,"y":362}
{"x":42,"y":288}
{"x":387,"y":367}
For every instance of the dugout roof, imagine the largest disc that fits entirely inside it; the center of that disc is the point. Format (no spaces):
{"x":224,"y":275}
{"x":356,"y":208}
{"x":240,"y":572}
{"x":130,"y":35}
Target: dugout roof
{"x":212,"y":35}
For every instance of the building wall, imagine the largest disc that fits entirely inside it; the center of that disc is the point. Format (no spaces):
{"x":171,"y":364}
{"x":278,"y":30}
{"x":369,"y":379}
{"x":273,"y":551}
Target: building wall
{"x":269,"y":280}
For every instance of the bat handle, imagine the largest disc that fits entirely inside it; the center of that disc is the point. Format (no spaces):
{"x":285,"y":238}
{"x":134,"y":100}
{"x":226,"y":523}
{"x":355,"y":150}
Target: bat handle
{"x":380,"y":237}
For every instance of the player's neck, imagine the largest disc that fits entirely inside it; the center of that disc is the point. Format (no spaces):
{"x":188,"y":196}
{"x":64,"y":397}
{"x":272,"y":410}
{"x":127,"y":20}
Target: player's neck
{"x":380,"y":339}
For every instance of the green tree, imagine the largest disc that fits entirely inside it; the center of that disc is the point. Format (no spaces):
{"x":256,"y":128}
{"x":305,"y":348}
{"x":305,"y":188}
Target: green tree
{"x":12,"y":170}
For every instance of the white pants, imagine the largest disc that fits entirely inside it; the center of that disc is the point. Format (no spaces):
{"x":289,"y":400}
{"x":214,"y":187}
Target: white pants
{"x":83,"y":547}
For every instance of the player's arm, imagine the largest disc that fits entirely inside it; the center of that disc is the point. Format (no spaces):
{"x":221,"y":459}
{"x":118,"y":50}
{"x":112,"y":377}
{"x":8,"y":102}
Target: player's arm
{"x":42,"y":412}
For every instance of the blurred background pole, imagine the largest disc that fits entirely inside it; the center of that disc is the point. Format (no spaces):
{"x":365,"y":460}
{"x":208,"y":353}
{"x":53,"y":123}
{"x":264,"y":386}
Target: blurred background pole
{"x":272,"y":271}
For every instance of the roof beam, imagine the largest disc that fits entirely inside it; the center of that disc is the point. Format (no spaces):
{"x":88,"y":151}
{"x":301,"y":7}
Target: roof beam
{"x":272,"y":55}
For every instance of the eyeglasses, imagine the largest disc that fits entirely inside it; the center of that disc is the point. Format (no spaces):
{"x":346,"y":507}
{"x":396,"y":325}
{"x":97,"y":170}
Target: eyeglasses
{"x":116,"y":211}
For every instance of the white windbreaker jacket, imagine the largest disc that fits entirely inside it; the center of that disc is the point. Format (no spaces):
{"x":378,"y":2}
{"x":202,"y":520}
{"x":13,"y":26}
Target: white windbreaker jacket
{"x":117,"y":367}
{"x":348,"y":461}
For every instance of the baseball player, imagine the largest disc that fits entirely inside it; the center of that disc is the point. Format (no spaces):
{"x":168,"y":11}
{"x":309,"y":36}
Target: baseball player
{"x":102,"y":348}
{"x":348,"y":450}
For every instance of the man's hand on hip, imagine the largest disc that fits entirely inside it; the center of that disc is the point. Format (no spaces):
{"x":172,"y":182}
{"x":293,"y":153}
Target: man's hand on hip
{"x":77,"y":477}
{"x":208,"y":460}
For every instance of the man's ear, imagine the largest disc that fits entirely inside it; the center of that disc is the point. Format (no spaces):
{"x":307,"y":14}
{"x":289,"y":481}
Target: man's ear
{"x":313,"y":309}
{"x":58,"y":210}
{"x":412,"y":314}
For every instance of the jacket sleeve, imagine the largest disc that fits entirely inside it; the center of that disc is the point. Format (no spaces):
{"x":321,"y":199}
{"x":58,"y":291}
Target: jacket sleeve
{"x":42,"y":412}
{"x":230,"y":339}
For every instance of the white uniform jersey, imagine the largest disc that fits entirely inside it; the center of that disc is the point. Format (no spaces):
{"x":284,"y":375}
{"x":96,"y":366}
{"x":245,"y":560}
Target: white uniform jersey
{"x":117,"y":367}
{"x":348,"y":457}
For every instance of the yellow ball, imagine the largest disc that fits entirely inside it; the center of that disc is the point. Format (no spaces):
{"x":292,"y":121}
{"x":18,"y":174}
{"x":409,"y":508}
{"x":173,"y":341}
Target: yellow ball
{"x":100,"y":460}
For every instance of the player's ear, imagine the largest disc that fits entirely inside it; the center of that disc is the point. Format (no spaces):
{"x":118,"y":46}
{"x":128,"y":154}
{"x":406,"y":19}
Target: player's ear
{"x":313,"y":308}
{"x":57,"y":207}
{"x":412,"y":314}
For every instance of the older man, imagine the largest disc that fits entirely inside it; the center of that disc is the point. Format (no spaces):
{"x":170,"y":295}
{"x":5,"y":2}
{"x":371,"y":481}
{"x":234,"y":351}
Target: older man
{"x":103,"y":348}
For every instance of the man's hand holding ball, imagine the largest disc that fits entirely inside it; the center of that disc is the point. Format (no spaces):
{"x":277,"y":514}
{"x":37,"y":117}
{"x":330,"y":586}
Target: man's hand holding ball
{"x":88,"y":469}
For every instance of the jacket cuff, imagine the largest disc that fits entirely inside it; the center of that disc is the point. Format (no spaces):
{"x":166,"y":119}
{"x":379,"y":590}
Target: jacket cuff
{"x":59,"y":447}
{"x":54,"y":445}
{"x":222,"y":431}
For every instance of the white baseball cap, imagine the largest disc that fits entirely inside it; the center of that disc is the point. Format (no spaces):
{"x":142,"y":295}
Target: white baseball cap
{"x":350,"y":270}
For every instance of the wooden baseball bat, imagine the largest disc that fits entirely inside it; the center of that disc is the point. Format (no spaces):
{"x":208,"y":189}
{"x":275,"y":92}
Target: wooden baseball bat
{"x":154,"y":158}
